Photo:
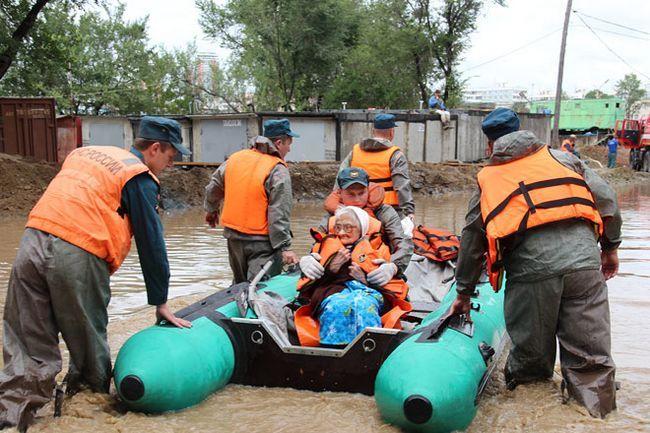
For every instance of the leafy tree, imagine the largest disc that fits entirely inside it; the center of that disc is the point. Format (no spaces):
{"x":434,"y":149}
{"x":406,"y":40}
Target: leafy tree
{"x":18,"y":17}
{"x":97,"y":63}
{"x":419,"y":41}
{"x":386,"y":67}
{"x":216,"y":88}
{"x":447,"y":25}
{"x":596,"y":94}
{"x":629,"y":88}
{"x":292,"y":49}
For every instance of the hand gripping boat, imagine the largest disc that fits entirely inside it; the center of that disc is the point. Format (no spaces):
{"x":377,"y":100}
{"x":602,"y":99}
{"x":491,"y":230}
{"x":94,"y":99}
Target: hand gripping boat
{"x":427,"y":377}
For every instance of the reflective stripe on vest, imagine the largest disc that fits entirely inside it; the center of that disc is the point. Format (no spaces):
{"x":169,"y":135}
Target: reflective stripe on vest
{"x":530,"y":192}
{"x":245,"y":206}
{"x":81,"y":204}
{"x":377,"y":165}
{"x":362,"y":254}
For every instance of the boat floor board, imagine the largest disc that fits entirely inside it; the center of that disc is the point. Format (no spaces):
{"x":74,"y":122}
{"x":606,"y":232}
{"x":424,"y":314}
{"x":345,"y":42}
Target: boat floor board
{"x":352,"y":369}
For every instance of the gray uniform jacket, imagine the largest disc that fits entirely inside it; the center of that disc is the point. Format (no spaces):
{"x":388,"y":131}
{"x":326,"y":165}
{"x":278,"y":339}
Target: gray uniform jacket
{"x":278,"y":191}
{"x":399,"y":170}
{"x":401,"y":248}
{"x":545,"y":251}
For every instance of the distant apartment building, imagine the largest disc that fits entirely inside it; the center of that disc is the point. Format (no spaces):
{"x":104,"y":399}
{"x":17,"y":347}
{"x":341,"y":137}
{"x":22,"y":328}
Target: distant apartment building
{"x":546,"y":94}
{"x":204,"y":77}
{"x":501,"y":96}
{"x":206,"y":70}
{"x":543,"y":95}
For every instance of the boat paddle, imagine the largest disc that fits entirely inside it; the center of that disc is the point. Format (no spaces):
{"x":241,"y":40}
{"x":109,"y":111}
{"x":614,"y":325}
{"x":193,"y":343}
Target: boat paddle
{"x":249,"y":293}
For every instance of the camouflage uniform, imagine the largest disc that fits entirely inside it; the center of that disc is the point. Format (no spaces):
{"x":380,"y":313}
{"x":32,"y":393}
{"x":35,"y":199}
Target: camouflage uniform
{"x":248,"y":253}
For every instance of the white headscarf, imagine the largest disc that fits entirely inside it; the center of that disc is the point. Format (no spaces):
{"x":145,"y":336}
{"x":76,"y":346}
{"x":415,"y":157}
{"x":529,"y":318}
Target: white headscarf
{"x":360,"y":215}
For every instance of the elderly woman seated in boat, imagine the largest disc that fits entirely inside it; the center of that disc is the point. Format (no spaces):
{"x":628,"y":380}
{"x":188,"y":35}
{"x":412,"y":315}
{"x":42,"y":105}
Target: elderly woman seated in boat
{"x":341,"y":304}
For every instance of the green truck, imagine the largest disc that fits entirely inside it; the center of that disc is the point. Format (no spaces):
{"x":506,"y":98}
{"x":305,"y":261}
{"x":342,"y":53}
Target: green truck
{"x":582,"y":115}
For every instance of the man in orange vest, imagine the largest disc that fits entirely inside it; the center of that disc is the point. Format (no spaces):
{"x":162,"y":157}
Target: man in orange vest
{"x":539,"y":215}
{"x":76,"y":236}
{"x":569,"y":145}
{"x":353,"y":190}
{"x":254,"y":188}
{"x":386,"y":165}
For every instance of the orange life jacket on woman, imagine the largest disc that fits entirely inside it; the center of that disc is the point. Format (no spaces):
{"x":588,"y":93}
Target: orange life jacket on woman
{"x":377,"y":165}
{"x":82,"y":203}
{"x":245,"y":205}
{"x":530,"y":192}
{"x":434,"y":244}
{"x":363,"y":254}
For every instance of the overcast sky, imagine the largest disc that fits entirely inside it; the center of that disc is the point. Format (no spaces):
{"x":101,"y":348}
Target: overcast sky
{"x":588,"y":63}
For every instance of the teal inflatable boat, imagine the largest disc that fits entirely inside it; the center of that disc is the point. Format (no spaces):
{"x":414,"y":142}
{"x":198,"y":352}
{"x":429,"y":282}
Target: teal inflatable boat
{"x":427,"y":377}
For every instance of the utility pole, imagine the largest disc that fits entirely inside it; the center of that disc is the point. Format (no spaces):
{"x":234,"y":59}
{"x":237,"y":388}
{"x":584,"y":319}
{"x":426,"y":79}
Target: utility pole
{"x":555,"y":136}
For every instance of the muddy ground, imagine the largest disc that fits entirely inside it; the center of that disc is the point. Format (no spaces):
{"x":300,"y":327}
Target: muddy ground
{"x":22,"y":181}
{"x":599,"y":153}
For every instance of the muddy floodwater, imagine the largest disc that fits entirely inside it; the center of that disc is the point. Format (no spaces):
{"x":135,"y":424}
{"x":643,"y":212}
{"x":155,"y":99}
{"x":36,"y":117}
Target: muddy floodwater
{"x":199,"y":266}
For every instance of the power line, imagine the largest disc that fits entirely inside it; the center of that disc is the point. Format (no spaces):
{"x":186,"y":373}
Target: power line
{"x":612,"y":23}
{"x":610,"y":50}
{"x":623,"y":34}
{"x":640,"y":38}
{"x":513,"y":51}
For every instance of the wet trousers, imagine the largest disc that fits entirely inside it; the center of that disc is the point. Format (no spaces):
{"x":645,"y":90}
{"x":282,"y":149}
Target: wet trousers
{"x":248,"y":257}
{"x":54,"y":287}
{"x":574,"y":309}
{"x":611,"y":160}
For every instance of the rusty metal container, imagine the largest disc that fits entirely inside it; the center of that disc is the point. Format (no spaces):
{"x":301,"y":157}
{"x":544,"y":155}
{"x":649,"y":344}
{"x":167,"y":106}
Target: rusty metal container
{"x":68,"y":134}
{"x":28,"y":127}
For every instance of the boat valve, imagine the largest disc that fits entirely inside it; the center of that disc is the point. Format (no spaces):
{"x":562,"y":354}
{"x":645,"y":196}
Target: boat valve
{"x":257,"y":337}
{"x":369,"y":344}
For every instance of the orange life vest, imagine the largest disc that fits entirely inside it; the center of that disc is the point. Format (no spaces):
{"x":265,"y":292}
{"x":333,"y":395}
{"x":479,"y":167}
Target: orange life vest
{"x":245,"y":205}
{"x":434,"y":244}
{"x":376,"y":195}
{"x":363,"y":254}
{"x":82,"y":203}
{"x":530,"y":192}
{"x":377,"y":165}
{"x":373,"y":235}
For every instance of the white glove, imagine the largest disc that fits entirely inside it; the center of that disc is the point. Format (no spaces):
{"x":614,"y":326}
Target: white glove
{"x":408,"y":226}
{"x":310,"y":266}
{"x":383,"y":274}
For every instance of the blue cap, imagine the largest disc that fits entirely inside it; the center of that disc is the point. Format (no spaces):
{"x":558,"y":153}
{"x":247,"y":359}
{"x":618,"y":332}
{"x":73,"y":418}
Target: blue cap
{"x":351,"y":175}
{"x":500,"y":122}
{"x":163,"y":129}
{"x":278,"y":127}
{"x":384,"y":121}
